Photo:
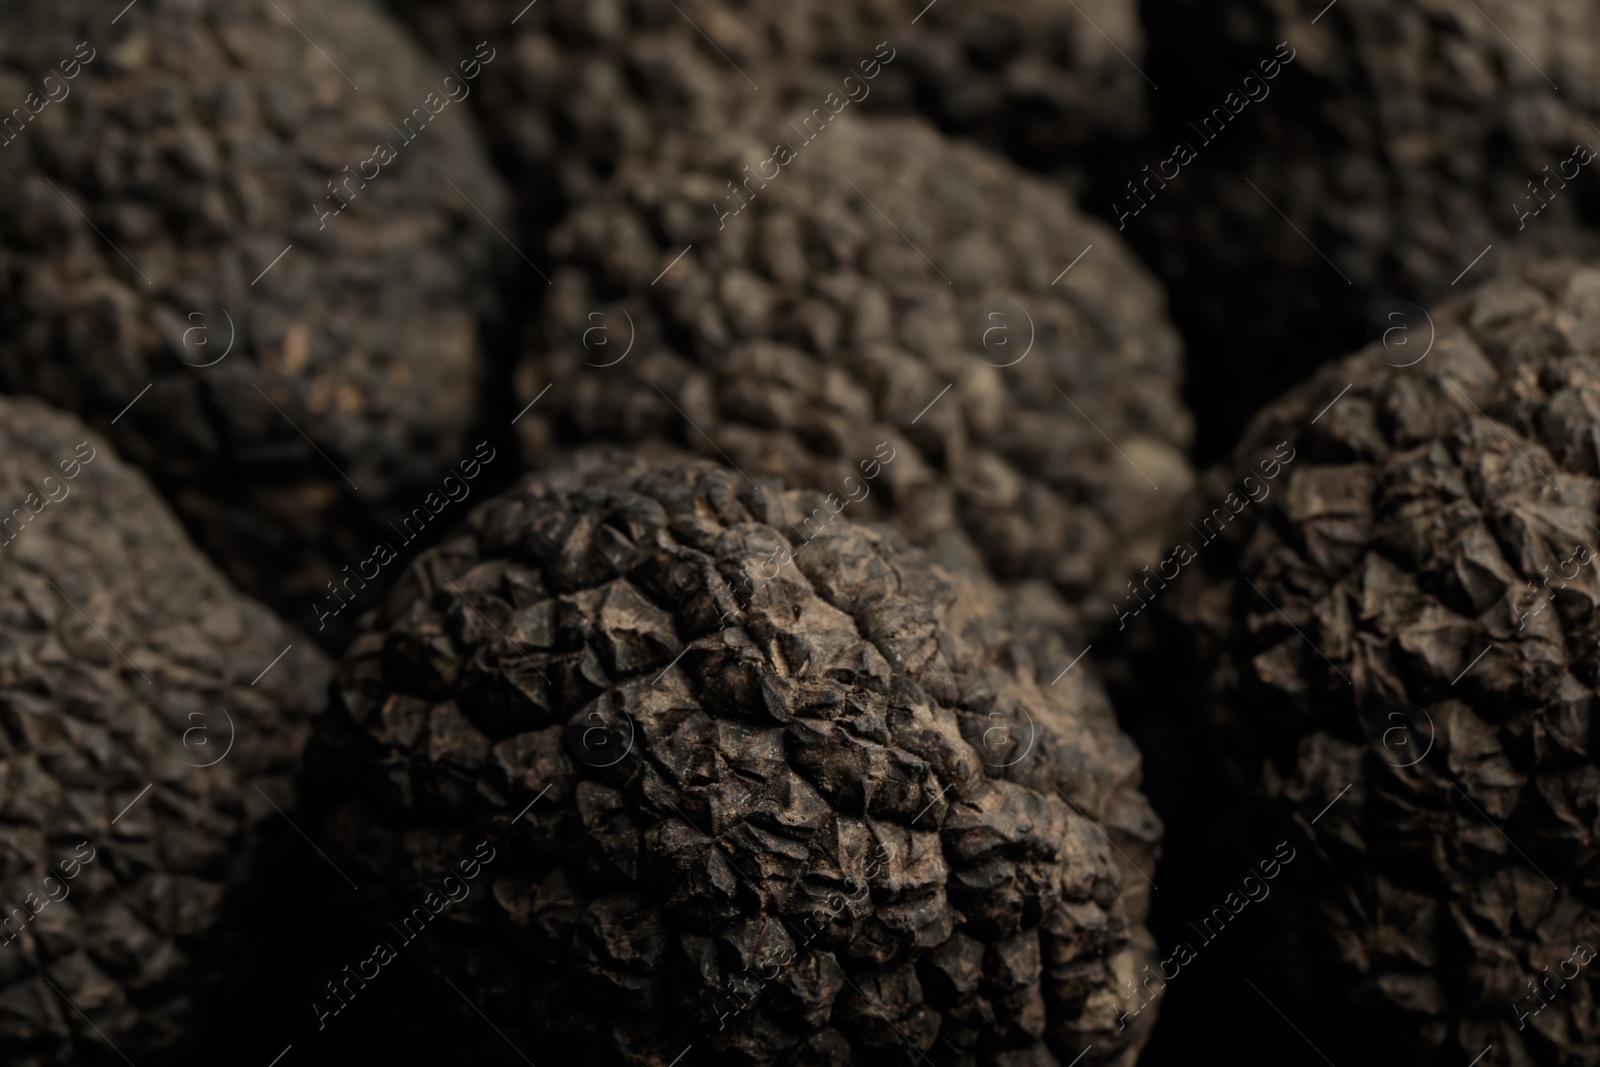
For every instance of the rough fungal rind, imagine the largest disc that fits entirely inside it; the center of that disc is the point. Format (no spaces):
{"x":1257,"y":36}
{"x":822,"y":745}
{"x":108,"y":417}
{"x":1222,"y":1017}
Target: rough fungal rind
{"x":592,"y":82}
{"x":1435,"y":544}
{"x":807,"y":774}
{"x":1402,"y":140}
{"x":108,"y":721}
{"x":198,"y":231}
{"x":802,"y":329}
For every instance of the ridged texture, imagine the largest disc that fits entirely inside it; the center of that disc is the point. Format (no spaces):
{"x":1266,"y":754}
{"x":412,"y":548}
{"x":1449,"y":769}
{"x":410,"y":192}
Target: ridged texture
{"x":879,"y":267}
{"x":126,"y":665}
{"x":592,"y":82}
{"x":1402,"y":562}
{"x":199,"y":140}
{"x":1399,"y":143}
{"x":812,"y":766}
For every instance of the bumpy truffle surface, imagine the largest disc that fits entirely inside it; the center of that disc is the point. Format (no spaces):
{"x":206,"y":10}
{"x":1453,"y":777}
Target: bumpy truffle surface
{"x":133,"y":743}
{"x":1399,"y":139}
{"x":591,"y":82}
{"x":789,"y":800}
{"x":881,"y":284}
{"x":1412,"y":616}
{"x":267,"y":279}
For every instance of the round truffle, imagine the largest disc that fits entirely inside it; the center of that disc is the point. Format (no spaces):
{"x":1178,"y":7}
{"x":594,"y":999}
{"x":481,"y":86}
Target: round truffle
{"x":806,"y":307}
{"x":261,"y":283}
{"x":786,"y":801}
{"x":143,"y":738}
{"x":1396,"y":653}
{"x":1313,"y":162}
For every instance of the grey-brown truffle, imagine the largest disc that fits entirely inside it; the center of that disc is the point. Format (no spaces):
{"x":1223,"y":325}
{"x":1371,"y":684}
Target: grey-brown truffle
{"x":182,"y":199}
{"x":690,"y":746}
{"x":136,"y":728}
{"x":864,"y":281}
{"x":1412,"y":615}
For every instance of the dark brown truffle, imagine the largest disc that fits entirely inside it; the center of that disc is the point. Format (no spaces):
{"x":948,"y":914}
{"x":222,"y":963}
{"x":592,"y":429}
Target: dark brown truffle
{"x":141,"y":735}
{"x":591,"y":82}
{"x":1396,"y":650}
{"x":1399,"y":139}
{"x":681,"y":746}
{"x":883,"y":289}
{"x":181,"y":200}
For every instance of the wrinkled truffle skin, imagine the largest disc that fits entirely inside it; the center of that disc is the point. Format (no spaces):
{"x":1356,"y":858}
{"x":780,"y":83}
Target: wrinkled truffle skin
{"x":1433,"y":546}
{"x":814,"y":767}
{"x":1400,"y":142}
{"x":801,"y":333}
{"x":126,"y":665}
{"x":194,"y":145}
{"x":591,"y":82}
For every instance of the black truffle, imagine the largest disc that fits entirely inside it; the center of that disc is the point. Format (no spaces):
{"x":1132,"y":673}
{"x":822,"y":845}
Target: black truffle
{"x":700,"y":762}
{"x":141,"y":737}
{"x":1396,"y":653}
{"x":1398,"y":139}
{"x":174,"y":259}
{"x":592,"y":82}
{"x":882,"y":289}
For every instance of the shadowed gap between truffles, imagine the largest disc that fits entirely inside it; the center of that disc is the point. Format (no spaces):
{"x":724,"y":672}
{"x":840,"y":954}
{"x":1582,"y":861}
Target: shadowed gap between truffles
{"x":383,"y":953}
{"x":1184,"y":153}
{"x":1560,"y":176}
{"x":383,"y":553}
{"x":1232,"y":907}
{"x":1184,"y":553}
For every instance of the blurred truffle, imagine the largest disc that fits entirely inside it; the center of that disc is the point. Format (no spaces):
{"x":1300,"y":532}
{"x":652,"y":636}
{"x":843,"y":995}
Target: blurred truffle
{"x":867,"y":289}
{"x":680,"y":749}
{"x":134,"y":745}
{"x":592,"y":82}
{"x":1400,"y":140}
{"x":174,"y":258}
